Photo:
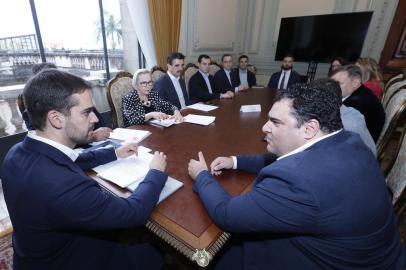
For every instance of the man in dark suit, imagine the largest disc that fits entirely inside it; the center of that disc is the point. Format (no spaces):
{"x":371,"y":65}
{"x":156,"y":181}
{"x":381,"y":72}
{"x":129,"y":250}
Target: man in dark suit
{"x":225,"y":79}
{"x":201,"y":85}
{"x":286,"y":77}
{"x":171,"y":87}
{"x":244,"y":76}
{"x":356,"y":95}
{"x":60,"y":215}
{"x":319,"y":200}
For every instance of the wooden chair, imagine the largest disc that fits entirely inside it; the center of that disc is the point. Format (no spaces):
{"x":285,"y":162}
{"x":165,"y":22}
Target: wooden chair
{"x":252,"y":68}
{"x":392,"y":89}
{"x":393,"y":130}
{"x":188,"y":72}
{"x":157,"y":72}
{"x":213,"y":68}
{"x":116,"y":89}
{"x":20,"y":103}
{"x":393,"y":80}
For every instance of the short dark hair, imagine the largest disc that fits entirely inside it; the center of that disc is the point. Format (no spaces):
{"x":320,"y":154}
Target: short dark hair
{"x":174,"y":55}
{"x":354,"y":71}
{"x":225,"y":55}
{"x":319,"y":99}
{"x":242,"y":56}
{"x":41,"y":66}
{"x":51,"y":89}
{"x":205,"y":56}
{"x":289,"y":55}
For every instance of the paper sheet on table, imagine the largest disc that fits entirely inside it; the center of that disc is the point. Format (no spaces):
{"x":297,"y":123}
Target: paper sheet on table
{"x":202,"y":107}
{"x":170,"y":187}
{"x":164,"y":123}
{"x":199,"y":119}
{"x":126,"y":134}
{"x":251,"y":108}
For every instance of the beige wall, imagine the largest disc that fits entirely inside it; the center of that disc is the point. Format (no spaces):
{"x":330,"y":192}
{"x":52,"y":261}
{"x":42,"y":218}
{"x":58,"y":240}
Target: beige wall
{"x":251,"y":27}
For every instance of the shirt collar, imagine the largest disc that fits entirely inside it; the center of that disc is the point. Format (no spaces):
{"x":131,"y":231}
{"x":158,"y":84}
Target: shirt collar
{"x":242,"y":71}
{"x":173,"y":77}
{"x":307,"y":145}
{"x":204,"y":74}
{"x":63,"y":148}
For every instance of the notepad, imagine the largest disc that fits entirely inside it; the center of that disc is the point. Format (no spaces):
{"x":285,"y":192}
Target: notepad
{"x":164,"y":123}
{"x":199,"y":119}
{"x":202,"y":107}
{"x":170,"y":187}
{"x":250,"y":108}
{"x":132,"y":135}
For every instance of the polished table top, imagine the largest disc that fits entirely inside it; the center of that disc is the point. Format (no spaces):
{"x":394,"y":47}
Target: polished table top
{"x":181,"y":220}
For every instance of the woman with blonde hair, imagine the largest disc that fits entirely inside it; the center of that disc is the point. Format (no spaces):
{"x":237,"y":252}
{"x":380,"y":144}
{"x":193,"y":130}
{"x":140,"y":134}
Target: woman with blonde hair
{"x":371,"y":75}
{"x":143,"y":104}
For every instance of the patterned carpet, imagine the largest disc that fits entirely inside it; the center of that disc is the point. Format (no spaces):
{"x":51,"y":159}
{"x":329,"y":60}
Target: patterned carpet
{"x":6,"y":253}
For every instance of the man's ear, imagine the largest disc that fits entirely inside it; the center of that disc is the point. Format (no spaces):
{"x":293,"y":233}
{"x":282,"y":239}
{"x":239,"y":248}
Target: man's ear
{"x":356,"y":83}
{"x":55,"y":119}
{"x":312,"y":127}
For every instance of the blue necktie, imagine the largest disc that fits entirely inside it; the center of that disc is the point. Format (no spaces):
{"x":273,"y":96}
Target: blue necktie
{"x":282,"y":86}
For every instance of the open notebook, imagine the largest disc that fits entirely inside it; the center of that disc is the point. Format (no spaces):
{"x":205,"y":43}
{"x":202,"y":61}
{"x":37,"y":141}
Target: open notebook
{"x":130,"y":172}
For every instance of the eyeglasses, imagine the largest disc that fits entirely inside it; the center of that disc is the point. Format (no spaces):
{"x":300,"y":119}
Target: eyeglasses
{"x":150,"y":83}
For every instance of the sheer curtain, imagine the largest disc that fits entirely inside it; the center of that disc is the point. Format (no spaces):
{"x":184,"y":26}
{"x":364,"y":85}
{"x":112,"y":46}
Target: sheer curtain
{"x":139,"y":13}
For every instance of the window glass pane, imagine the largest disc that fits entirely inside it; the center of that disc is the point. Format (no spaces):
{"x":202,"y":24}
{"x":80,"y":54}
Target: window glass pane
{"x":18,"y":52}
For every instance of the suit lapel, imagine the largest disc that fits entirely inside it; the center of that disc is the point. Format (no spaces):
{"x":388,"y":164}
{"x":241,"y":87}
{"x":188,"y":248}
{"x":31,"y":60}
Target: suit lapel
{"x":173,"y":90}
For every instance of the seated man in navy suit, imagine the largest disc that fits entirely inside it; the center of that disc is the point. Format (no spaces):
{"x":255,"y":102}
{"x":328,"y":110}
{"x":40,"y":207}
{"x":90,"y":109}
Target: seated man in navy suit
{"x":60,"y":215}
{"x":201,"y":84}
{"x":286,"y":77}
{"x":319,"y":200}
{"x":244,"y":76}
{"x":171,"y":87}
{"x":101,"y":131}
{"x":225,"y":79}
{"x":356,"y":95}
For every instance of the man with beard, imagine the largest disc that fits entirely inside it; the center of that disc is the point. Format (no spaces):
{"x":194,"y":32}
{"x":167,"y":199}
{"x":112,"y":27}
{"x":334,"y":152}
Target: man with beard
{"x":286,"y":77}
{"x":244,"y":76}
{"x":319,"y":200}
{"x":61,"y":216}
{"x":171,"y":87}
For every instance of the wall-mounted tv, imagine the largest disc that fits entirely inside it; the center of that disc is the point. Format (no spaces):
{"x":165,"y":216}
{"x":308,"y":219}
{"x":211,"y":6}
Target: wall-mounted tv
{"x":320,"y":38}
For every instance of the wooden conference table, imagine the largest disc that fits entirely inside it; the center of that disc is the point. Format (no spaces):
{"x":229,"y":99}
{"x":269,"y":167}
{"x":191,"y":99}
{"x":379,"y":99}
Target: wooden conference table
{"x":181,"y":220}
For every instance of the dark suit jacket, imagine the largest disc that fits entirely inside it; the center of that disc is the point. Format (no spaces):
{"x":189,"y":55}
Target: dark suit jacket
{"x":57,"y":210}
{"x":166,"y":90}
{"x":326,"y":207}
{"x":293,"y":78}
{"x":99,"y":124}
{"x":222,"y":83}
{"x":198,"y":90}
{"x":252,"y":80}
{"x":368,"y":104}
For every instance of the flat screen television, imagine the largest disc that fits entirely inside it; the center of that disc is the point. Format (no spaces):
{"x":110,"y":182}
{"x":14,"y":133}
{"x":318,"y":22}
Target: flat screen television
{"x":320,"y":38}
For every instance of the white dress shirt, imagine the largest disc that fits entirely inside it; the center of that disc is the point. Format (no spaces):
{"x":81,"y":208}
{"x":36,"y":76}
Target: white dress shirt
{"x":243,"y":77}
{"x":206,"y":79}
{"x":178,"y":88}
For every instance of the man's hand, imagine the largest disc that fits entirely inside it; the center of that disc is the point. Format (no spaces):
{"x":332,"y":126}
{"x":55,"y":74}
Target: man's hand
{"x":242,"y":87}
{"x":227,"y":94}
{"x":197,"y":166}
{"x":100,"y":134}
{"x":158,"y":162}
{"x":221,"y":163}
{"x":127,"y":150}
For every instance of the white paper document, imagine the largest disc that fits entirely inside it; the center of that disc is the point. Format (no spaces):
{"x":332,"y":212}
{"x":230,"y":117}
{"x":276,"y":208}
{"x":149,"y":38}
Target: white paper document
{"x":202,"y":107}
{"x":170,"y":187}
{"x":126,"y":171}
{"x":132,"y":135}
{"x":199,"y":119}
{"x":251,"y":108}
{"x":164,"y":123}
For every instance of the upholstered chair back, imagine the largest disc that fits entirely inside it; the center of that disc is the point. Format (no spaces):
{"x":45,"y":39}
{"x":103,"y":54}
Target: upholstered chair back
{"x":188,"y":72}
{"x":116,"y":89}
{"x":156,"y":73}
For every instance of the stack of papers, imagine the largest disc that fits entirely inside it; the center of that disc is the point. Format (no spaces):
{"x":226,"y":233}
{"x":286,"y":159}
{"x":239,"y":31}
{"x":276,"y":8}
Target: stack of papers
{"x":131,"y":135}
{"x":130,"y":172}
{"x":164,"y":123}
{"x":202,"y":107}
{"x":250,"y":108}
{"x":199,"y":119}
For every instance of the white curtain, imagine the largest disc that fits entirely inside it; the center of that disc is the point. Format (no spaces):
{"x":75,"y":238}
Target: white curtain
{"x":139,"y":13}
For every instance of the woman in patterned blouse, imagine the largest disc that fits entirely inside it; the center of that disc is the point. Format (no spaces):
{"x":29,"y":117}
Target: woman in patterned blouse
{"x":142,"y":104}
